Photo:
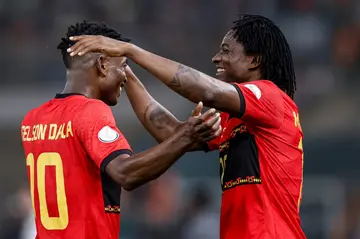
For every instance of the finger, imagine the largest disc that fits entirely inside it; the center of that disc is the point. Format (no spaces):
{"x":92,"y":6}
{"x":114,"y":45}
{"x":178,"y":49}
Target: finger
{"x":214,"y":135}
{"x":218,"y":132}
{"x":209,"y":123}
{"x":210,"y":129}
{"x":92,"y":47}
{"x":86,"y":47}
{"x":206,"y":126}
{"x":197,"y":110}
{"x":75,"y":47}
{"x":216,"y":125}
{"x":207,"y":114}
{"x":80,"y":47}
{"x":77,"y":38}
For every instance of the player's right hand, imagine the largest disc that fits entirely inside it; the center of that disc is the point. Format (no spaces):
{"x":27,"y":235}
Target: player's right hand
{"x":92,"y":43}
{"x":201,"y":129}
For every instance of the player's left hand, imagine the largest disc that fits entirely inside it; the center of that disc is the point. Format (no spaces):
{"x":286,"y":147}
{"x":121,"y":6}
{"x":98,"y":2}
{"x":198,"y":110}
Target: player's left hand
{"x":90,"y":43}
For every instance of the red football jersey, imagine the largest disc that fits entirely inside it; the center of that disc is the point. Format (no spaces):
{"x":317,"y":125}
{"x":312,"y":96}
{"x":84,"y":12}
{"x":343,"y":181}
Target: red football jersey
{"x":261,"y":165}
{"x":68,"y":142}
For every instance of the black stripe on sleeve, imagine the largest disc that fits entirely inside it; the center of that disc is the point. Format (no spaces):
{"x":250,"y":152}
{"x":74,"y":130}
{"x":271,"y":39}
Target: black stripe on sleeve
{"x":205,"y":148}
{"x":112,"y":156}
{"x":242,"y":101}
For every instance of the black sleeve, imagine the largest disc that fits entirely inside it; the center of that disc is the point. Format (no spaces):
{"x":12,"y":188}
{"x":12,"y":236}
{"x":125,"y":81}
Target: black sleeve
{"x":242,"y":101}
{"x":112,"y":156}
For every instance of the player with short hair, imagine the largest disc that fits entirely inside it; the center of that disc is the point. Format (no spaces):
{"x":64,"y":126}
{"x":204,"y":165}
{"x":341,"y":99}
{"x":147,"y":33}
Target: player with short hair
{"x":261,"y":153}
{"x":78,"y":159}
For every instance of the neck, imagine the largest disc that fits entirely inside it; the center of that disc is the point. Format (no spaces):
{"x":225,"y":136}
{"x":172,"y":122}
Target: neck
{"x":78,"y":82}
{"x":254,"y":76}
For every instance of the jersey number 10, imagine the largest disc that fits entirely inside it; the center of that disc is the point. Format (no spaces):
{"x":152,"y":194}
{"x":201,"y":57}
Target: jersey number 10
{"x":44,"y":160}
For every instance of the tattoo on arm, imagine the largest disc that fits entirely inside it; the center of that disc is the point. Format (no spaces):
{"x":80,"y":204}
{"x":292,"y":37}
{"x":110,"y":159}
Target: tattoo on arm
{"x":192,"y":84}
{"x":157,"y":116}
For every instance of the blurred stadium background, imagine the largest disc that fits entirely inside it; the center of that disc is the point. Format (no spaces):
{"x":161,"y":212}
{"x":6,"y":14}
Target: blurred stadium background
{"x":184,"y":203}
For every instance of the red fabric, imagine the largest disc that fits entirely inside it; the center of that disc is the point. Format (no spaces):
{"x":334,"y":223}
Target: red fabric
{"x":261,"y":166}
{"x":65,"y":166}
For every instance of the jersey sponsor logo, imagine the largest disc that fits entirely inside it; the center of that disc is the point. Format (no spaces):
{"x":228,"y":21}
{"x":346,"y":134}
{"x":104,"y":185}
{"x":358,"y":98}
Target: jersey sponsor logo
{"x":108,"y":135}
{"x":254,"y":89}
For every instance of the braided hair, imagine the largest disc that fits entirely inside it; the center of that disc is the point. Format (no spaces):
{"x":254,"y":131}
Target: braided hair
{"x":264,"y":40}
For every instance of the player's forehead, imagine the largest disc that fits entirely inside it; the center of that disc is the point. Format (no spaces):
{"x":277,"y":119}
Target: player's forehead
{"x":230,"y":41}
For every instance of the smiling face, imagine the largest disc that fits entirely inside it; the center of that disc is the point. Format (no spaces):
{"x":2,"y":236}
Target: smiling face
{"x":110,"y":86}
{"x":232,"y":64}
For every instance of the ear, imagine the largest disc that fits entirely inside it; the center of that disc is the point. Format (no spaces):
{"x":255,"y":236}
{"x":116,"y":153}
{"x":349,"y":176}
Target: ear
{"x":254,"y":62}
{"x":102,"y":64}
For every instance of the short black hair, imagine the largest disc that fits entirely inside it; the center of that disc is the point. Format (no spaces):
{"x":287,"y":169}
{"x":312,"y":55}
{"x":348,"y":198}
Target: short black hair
{"x":86,"y":28}
{"x":263,"y":39}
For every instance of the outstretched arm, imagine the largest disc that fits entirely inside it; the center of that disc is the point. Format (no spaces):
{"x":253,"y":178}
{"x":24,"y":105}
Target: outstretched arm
{"x":109,"y":150}
{"x":160,"y":123}
{"x":188,"y":82}
{"x":133,"y":171}
{"x":157,"y":120}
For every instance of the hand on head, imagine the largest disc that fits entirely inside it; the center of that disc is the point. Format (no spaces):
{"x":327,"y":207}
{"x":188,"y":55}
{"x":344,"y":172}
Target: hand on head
{"x":97,"y":43}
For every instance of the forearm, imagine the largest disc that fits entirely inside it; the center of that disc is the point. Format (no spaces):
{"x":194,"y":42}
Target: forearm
{"x":158,"y":121}
{"x":150,"y":164}
{"x":190,"y":83}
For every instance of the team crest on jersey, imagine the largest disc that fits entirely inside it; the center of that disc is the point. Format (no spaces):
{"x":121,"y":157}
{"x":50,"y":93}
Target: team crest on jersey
{"x":254,"y":89}
{"x":107,"y":135}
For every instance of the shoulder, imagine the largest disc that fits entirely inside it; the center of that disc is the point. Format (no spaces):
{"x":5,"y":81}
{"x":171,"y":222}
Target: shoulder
{"x":262,"y":83}
{"x":29,"y":116}
{"x":260,"y":86}
{"x":94,"y":113}
{"x":94,"y":107}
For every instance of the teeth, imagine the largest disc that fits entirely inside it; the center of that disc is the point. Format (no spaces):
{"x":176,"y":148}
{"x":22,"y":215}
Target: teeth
{"x":220,"y":70}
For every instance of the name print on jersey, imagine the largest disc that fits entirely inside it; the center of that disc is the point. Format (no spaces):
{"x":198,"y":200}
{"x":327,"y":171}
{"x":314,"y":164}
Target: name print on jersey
{"x":46,"y":131}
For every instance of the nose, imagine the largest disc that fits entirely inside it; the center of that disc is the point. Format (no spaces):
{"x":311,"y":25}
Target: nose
{"x":217,"y":58}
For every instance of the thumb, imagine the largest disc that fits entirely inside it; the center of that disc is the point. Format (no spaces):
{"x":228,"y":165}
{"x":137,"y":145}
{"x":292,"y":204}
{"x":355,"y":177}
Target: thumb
{"x":197,"y":110}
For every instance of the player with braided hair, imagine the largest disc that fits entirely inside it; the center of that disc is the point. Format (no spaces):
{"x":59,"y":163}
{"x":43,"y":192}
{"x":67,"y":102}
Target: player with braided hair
{"x":261,"y":155}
